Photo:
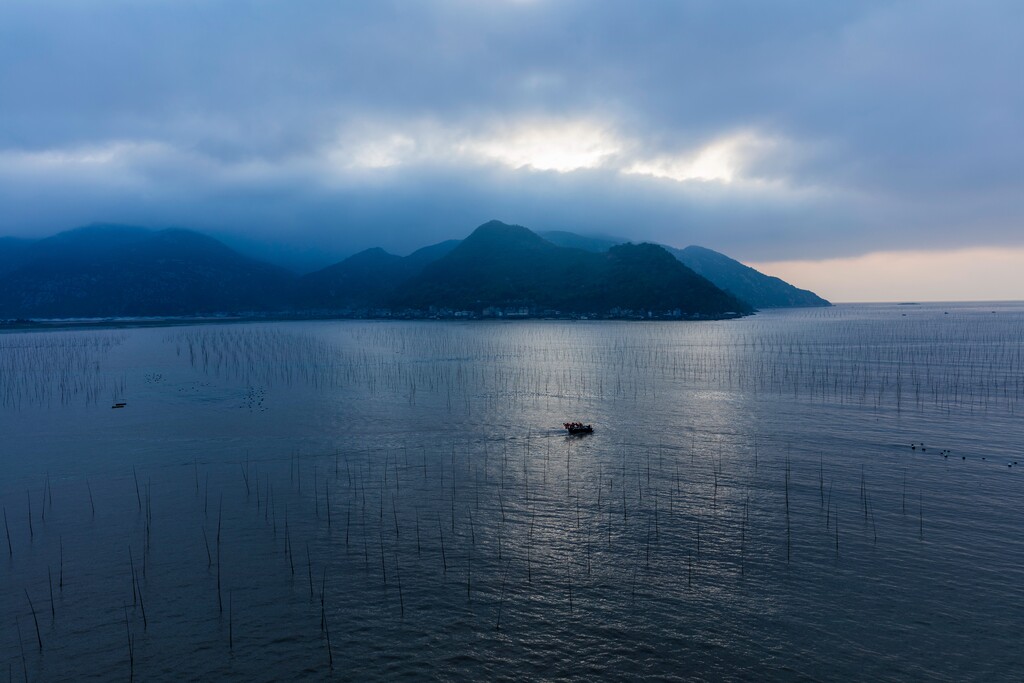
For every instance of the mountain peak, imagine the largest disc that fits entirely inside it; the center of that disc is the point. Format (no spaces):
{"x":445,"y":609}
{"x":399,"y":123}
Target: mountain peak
{"x":493,"y":231}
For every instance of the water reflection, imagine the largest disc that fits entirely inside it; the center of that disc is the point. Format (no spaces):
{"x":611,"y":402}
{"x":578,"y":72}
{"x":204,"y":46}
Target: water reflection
{"x":748,"y":503}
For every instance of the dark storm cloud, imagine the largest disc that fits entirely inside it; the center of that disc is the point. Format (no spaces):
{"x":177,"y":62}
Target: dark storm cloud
{"x":768,"y":130}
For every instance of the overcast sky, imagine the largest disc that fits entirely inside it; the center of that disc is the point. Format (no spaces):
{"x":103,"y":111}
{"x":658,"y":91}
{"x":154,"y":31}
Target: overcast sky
{"x":851,"y":138}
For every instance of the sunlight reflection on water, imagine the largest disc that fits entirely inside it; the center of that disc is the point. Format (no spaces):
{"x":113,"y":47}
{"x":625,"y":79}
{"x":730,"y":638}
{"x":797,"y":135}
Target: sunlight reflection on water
{"x":749,"y":505}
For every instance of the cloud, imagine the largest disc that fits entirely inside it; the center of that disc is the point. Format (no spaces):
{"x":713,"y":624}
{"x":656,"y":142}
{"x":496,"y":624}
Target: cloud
{"x":562,"y":145}
{"x":548,"y":145}
{"x":769,"y":131}
{"x":725,"y":160}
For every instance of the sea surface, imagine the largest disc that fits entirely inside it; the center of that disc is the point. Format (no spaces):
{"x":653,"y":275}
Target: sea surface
{"x":815,"y":494}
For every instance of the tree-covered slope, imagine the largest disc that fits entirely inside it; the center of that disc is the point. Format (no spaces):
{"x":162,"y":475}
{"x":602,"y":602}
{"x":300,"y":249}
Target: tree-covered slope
{"x":122,"y":271}
{"x":753,"y":286}
{"x":503,"y":265}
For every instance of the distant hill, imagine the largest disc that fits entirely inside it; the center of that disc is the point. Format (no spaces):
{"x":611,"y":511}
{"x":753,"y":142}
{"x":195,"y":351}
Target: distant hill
{"x":750,"y":285}
{"x":595,"y":243}
{"x":367,"y":279}
{"x":503,"y":266}
{"x":128,"y":271}
{"x":13,"y":251}
{"x":108,"y":270}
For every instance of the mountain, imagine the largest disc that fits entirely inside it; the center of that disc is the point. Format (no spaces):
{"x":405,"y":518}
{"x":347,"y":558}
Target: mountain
{"x":362,"y":280}
{"x":126,"y":271}
{"x":595,"y":243}
{"x":750,"y":285}
{"x":501,"y":266}
{"x":13,"y":251}
{"x":421,"y":257}
{"x":109,"y":270}
{"x":366,"y":280}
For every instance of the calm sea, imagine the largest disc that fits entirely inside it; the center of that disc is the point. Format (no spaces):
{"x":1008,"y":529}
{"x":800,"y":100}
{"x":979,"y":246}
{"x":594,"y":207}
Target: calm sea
{"x":819,"y":494}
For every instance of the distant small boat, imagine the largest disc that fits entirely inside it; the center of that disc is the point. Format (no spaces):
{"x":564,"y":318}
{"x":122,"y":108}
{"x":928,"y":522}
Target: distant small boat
{"x":120,"y":404}
{"x":578,"y":428}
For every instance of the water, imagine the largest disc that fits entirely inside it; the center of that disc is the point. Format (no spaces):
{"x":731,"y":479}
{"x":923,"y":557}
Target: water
{"x":749,"y":506}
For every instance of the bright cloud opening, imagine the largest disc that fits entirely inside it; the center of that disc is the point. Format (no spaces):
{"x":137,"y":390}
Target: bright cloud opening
{"x":722,"y":160}
{"x":561,"y":147}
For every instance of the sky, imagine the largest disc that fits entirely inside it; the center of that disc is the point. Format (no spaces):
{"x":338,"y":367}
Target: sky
{"x":865,"y":150}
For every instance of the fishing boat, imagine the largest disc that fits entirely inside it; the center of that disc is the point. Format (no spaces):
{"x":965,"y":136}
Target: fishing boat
{"x":575,"y":428}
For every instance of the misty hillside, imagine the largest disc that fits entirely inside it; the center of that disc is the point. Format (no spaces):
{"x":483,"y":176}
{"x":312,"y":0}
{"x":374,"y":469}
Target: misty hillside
{"x":572,"y":240}
{"x":753,"y":286}
{"x":127,"y":271}
{"x":367,"y":279}
{"x":13,"y":251}
{"x":503,"y":265}
{"x":113,"y":270}
{"x":744,"y":282}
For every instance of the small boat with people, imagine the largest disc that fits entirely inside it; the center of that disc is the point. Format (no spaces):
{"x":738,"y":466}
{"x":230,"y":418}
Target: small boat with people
{"x":575,"y":428}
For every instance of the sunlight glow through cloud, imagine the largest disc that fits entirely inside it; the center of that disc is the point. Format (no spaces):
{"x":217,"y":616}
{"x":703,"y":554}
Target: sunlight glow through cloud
{"x":563,"y":146}
{"x":721,"y":160}
{"x":786,"y":131}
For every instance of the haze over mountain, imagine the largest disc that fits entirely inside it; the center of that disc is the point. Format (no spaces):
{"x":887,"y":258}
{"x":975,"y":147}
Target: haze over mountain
{"x":112,"y":270}
{"x":861,"y":148}
{"x":753,"y":286}
{"x":742,"y":281}
{"x":107,"y":270}
{"x":12,"y":252}
{"x":367,"y":279}
{"x":503,"y":265}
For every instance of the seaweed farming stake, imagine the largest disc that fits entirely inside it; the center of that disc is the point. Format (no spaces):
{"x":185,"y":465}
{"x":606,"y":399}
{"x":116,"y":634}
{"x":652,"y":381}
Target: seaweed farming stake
{"x":142,"y":605}
{"x":837,"y":529}
{"x":330,"y":656}
{"x":398,"y":576}
{"x":220,"y":603}
{"x":131,"y":649}
{"x":394,"y":513}
{"x":49,"y":577}
{"x":383,"y":569}
{"x":309,"y":569}
{"x":138,"y":496}
{"x":440,"y":532}
{"x":10,"y":549}
{"x":323,"y":594}
{"x":501,"y":599}
{"x":131,"y":563}
{"x":35,"y":619}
